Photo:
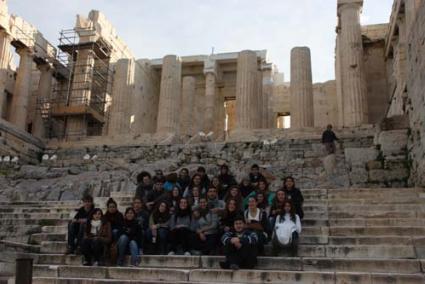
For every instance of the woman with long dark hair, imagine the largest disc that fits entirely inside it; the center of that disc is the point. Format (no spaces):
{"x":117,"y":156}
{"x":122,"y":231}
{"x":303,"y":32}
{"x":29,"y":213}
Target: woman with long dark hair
{"x":229,"y":214}
{"x":234,"y":193}
{"x":181,"y":233}
{"x":97,"y":236}
{"x":130,"y":238}
{"x":206,"y":225}
{"x":159,"y":227}
{"x":277,"y":206}
{"x":114,"y":217}
{"x":287,"y":230}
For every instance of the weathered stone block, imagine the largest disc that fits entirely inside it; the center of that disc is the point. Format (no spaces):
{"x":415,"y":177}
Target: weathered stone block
{"x":393,"y":142}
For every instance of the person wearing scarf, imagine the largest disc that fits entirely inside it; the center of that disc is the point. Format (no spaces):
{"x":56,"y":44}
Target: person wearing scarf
{"x":97,"y":236}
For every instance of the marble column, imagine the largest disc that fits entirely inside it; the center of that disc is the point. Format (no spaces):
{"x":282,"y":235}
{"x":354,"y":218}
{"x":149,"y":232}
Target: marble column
{"x":247,"y":90}
{"x":5,"y":58}
{"x":170,"y":95}
{"x":338,"y":76}
{"x":260,"y":113}
{"x":210,"y":101}
{"x":302,"y":110}
{"x":268,"y":120}
{"x":187,"y":106}
{"x":220,"y":116}
{"x":22,"y":91}
{"x":122,"y":93}
{"x":44,"y":94}
{"x":353,"y":76}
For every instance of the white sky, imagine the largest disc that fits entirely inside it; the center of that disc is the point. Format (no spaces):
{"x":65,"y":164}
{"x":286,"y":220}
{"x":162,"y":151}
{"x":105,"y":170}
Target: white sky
{"x":154,"y":28}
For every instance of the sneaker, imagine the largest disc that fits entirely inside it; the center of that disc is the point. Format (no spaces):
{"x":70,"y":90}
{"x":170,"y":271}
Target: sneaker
{"x":234,"y":266}
{"x":95,"y":263}
{"x":70,"y":251}
{"x":224,"y":265}
{"x":86,"y":263}
{"x":187,"y":253}
{"x":171,"y":253}
{"x":154,"y":240}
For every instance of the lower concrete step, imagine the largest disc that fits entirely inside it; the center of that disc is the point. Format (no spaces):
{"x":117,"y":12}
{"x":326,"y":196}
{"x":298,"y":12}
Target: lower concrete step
{"x":264,"y":263}
{"x":216,"y":275}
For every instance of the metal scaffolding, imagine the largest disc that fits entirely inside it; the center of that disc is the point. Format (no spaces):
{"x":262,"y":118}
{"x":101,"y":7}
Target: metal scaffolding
{"x":83,"y":91}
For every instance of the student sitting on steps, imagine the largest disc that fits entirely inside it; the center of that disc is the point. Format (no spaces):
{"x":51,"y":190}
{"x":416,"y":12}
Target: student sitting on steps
{"x":240,"y":246}
{"x":97,"y":237}
{"x":287,"y":230}
{"x":130,"y":238}
{"x":75,"y":227}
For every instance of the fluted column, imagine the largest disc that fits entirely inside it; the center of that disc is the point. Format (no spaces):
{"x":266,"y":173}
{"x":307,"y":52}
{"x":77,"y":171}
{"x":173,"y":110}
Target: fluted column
{"x":247,"y":90}
{"x":5,"y":58}
{"x":302,"y":111}
{"x":210,"y":101}
{"x":220,"y":116}
{"x":44,"y":94}
{"x":188,"y":105}
{"x":260,"y":105}
{"x":338,"y":76}
{"x":268,"y":120}
{"x":353,"y":76}
{"x":170,"y":95}
{"x":22,"y":91}
{"x":122,"y":91}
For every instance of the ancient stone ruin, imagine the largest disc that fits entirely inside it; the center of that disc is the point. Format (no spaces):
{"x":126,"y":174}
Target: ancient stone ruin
{"x":86,"y":116}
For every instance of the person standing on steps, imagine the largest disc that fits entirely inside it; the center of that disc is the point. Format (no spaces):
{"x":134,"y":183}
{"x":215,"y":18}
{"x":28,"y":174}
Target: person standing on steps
{"x":97,"y":237}
{"x":75,"y":227}
{"x":328,"y":139}
{"x":240,"y":246}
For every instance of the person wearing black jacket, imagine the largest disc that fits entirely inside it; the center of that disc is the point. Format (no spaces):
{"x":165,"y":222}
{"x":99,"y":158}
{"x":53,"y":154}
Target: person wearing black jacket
{"x":240,"y":247}
{"x":225,"y":178}
{"x":294,"y":195}
{"x":97,"y":237}
{"x":130,"y":238}
{"x":144,"y":185}
{"x":205,"y":181}
{"x":156,"y":195}
{"x":114,"y":217}
{"x":142,"y":216}
{"x":184,"y":179}
{"x":255,"y":176}
{"x":75,"y":227}
{"x":328,"y":139}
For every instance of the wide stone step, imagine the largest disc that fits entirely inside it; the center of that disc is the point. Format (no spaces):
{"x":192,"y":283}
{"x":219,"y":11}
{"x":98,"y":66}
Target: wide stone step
{"x":264,"y":263}
{"x":370,"y":240}
{"x":36,"y":216}
{"x":39,"y":222}
{"x":371,"y":222}
{"x":373,"y":214}
{"x":377,"y":207}
{"x":43,"y":237}
{"x":217,"y":275}
{"x":377,"y":231}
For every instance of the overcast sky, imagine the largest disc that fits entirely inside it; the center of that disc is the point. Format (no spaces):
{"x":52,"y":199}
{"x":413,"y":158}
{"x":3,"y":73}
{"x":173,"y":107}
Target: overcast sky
{"x":154,"y":28}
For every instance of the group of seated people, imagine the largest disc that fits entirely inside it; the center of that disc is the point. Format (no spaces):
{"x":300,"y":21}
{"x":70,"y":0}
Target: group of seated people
{"x":179,"y":214}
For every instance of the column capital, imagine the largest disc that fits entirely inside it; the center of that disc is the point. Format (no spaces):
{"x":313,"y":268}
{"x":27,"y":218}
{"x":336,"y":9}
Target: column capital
{"x":45,"y":67}
{"x":267,"y":66}
{"x":353,"y":4}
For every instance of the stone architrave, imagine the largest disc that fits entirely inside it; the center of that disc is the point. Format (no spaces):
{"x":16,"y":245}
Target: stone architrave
{"x":44,"y":94}
{"x":247,"y":91}
{"x":352,"y":70}
{"x":187,"y":105}
{"x":170,"y":95}
{"x":5,"y":57}
{"x":22,"y":91}
{"x":302,"y":110}
{"x":122,"y":91}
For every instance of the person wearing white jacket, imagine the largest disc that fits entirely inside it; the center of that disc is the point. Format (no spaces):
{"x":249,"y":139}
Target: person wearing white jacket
{"x":287,"y":230}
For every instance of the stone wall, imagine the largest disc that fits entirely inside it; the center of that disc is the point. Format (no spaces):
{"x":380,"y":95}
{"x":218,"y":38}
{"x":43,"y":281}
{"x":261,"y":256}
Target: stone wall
{"x":362,"y":160}
{"x":325,"y":105}
{"x":416,"y":97}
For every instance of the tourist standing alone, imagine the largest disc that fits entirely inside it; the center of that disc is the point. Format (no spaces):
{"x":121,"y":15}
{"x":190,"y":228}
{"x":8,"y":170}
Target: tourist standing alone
{"x":328,"y":139}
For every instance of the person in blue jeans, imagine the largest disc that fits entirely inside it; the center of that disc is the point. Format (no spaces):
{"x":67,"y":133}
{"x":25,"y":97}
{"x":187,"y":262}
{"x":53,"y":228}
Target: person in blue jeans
{"x":114,"y":217}
{"x":130,"y":238}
